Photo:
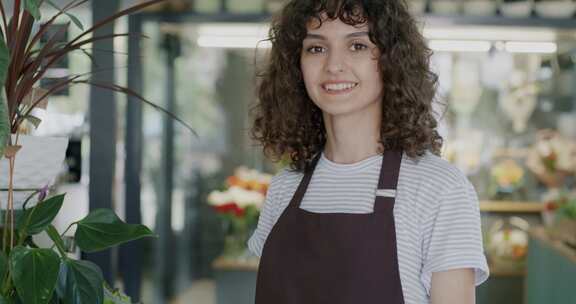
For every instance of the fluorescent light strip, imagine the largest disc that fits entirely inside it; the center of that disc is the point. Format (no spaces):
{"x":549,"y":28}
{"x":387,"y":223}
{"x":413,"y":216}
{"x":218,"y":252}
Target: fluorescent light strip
{"x":459,"y":45}
{"x":246,"y":36}
{"x":489,"y":33}
{"x":530,"y":47}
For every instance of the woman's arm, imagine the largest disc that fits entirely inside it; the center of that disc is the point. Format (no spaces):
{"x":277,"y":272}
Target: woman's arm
{"x":453,"y":287}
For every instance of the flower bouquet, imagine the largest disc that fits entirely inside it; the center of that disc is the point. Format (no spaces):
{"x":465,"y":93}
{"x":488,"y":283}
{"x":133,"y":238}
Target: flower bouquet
{"x":552,"y":158}
{"x":559,"y":214}
{"x":507,"y":180}
{"x":238,"y":207}
{"x":507,"y":244}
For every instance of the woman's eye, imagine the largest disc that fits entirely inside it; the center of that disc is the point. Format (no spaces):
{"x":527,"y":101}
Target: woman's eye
{"x":315,"y":49}
{"x":358,"y":47}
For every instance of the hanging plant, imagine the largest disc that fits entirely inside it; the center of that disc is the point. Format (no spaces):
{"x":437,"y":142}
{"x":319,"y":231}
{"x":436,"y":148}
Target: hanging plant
{"x":29,"y":274}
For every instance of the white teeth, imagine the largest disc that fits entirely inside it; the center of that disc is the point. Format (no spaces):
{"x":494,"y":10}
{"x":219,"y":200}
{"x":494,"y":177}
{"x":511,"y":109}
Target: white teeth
{"x":339,"y":86}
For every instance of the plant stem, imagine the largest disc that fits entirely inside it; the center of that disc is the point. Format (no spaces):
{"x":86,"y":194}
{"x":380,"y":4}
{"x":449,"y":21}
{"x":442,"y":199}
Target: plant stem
{"x":9,"y":216}
{"x":69,"y":226}
{"x":53,"y":234}
{"x":11,"y":194}
{"x":11,"y":201}
{"x":63,"y":233}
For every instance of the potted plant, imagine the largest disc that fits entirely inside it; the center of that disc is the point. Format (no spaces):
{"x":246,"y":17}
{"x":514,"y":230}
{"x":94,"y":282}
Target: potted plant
{"x":238,"y":207}
{"x":29,"y":274}
{"x":559,"y":215}
{"x":555,"y":8}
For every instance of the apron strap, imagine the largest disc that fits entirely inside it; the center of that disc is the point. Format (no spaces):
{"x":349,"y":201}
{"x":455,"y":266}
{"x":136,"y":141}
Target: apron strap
{"x":389,"y":172}
{"x":301,"y":190}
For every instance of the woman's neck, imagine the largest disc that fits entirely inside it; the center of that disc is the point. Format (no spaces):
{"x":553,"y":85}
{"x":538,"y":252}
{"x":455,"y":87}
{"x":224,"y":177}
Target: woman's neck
{"x":352,"y":138}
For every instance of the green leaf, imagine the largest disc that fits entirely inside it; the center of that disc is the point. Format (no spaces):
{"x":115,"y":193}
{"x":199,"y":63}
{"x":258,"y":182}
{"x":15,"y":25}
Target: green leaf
{"x":33,"y":7}
{"x":115,"y":296}
{"x":4,"y":120}
{"x":35,"y":220}
{"x":10,"y":300}
{"x":34,"y":273}
{"x":103,"y":229}
{"x":3,"y":265}
{"x":75,"y":20}
{"x":80,"y":282}
{"x":55,"y":237}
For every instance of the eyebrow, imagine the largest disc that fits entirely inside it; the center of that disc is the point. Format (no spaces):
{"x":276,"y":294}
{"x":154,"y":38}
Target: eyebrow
{"x":351,"y":35}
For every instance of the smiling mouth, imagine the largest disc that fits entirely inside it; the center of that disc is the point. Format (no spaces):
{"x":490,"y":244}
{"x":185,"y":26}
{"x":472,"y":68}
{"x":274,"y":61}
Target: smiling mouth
{"x":339,"y":87}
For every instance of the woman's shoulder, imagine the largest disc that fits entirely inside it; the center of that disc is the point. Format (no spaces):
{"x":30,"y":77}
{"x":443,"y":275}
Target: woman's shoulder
{"x":284,"y":180}
{"x":434,"y":171}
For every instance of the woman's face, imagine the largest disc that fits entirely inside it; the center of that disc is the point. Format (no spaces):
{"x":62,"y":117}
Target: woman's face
{"x":339,"y":64}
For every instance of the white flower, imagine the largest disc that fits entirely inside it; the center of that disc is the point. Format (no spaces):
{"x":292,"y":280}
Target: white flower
{"x":246,"y":174}
{"x":218,"y":198}
{"x":238,"y":195}
{"x":244,"y":198}
{"x":503,"y":242}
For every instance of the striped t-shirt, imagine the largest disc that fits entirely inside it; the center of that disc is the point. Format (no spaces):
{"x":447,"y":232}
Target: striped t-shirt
{"x":436,"y":213}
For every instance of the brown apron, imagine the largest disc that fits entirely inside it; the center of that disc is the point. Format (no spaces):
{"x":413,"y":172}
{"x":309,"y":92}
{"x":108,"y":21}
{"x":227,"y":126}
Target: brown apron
{"x":334,"y":258}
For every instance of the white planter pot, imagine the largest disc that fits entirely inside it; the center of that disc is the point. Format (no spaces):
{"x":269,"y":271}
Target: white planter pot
{"x":206,"y":6}
{"x":446,"y":7}
{"x":516,"y":9}
{"x":36,"y":165}
{"x":555,"y":9}
{"x":480,"y":8}
{"x":245,"y":6}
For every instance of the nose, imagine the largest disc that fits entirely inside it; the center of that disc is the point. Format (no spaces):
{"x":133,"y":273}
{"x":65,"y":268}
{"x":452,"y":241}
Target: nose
{"x":335,"y":62}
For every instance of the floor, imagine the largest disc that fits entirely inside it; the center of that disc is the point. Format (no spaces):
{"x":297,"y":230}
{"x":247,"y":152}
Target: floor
{"x":201,"y":292}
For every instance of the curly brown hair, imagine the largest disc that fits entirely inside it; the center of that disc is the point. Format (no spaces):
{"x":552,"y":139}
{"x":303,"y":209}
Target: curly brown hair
{"x":286,"y":120}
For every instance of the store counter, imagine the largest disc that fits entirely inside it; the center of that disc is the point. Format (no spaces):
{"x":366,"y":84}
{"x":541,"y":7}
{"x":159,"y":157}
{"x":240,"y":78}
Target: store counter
{"x":235,"y":280}
{"x":551,"y":270}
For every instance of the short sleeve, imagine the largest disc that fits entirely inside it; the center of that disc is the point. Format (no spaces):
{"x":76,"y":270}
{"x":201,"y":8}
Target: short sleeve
{"x":452,"y":236}
{"x":267,"y":217}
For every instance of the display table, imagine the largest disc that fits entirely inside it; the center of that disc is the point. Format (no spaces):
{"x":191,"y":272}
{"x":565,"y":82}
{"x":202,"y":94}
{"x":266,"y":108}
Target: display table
{"x":551,"y":273}
{"x":235,"y":280}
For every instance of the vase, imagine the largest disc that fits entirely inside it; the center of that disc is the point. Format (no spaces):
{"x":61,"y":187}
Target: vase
{"x":36,"y":165}
{"x":235,"y":245}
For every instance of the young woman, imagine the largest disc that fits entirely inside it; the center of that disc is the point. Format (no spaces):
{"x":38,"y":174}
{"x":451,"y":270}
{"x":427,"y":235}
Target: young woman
{"x":368,"y":212}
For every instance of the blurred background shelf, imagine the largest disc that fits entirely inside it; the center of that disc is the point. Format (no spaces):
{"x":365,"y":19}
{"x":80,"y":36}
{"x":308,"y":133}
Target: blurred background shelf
{"x":495,"y":272}
{"x":224,"y":264}
{"x":428,"y":19}
{"x":511,"y":206}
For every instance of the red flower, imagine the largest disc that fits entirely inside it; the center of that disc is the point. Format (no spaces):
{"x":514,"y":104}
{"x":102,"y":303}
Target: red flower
{"x":550,"y":206}
{"x":230,"y":208}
